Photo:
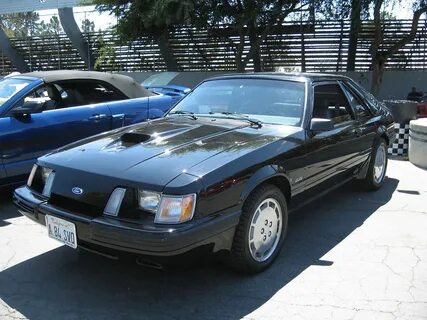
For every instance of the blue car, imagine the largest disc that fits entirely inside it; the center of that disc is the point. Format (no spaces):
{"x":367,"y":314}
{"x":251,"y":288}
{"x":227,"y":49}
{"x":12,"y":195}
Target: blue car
{"x":42,"y":111}
{"x":177,"y":92}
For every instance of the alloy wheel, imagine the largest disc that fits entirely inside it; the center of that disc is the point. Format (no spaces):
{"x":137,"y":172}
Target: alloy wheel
{"x":265,"y":230}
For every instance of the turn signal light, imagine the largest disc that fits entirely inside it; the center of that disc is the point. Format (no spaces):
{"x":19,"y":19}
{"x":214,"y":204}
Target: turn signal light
{"x":176,"y":209}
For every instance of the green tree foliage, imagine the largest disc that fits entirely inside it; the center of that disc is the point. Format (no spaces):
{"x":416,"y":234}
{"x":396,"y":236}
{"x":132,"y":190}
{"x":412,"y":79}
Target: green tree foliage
{"x":88,"y":26}
{"x":19,"y":25}
{"x":249,"y":19}
{"x":153,"y":19}
{"x":53,"y":27}
{"x":342,"y":9}
{"x":106,"y":56}
{"x":252,"y":19}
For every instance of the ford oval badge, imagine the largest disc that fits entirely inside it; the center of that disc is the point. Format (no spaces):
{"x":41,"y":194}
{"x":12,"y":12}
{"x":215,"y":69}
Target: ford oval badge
{"x":78,"y":191}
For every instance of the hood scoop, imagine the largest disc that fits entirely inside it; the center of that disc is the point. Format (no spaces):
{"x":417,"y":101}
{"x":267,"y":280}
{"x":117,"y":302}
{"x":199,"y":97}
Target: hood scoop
{"x":134,"y":138}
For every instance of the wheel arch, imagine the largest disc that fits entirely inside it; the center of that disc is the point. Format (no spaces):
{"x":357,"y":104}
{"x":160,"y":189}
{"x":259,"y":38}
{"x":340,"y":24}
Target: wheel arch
{"x":382,"y":133}
{"x":271,"y":174}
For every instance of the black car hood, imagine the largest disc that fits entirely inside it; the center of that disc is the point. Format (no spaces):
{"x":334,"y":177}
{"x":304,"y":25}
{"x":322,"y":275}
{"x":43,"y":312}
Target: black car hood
{"x":156,"y":152}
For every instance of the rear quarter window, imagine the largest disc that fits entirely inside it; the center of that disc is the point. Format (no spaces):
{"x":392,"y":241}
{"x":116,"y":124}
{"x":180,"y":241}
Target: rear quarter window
{"x":371,"y":102}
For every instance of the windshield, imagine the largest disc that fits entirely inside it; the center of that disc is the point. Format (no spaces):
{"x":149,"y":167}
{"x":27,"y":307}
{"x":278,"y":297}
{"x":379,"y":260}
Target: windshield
{"x":269,"y":101}
{"x":10,"y":86}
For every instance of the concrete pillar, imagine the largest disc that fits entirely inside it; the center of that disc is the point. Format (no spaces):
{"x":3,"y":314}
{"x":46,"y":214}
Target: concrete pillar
{"x":66,"y":16}
{"x":14,"y":56}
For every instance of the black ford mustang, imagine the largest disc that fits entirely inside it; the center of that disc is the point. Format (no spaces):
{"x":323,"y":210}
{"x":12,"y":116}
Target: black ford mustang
{"x":223,"y":168}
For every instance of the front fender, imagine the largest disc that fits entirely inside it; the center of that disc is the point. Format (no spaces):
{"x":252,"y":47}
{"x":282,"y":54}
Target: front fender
{"x":262,"y":175}
{"x":387,"y":132}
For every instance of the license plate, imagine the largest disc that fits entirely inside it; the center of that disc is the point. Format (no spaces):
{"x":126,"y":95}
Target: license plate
{"x":62,"y":230}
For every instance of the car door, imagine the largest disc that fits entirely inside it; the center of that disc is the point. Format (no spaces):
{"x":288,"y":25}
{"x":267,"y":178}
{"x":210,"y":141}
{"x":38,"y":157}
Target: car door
{"x":26,"y":137}
{"x":132,"y":111}
{"x":330,"y":154}
{"x":128,"y":112}
{"x":366,"y":123}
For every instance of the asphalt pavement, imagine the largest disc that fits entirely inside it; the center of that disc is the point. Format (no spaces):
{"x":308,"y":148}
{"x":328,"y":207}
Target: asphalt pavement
{"x":349,"y":255}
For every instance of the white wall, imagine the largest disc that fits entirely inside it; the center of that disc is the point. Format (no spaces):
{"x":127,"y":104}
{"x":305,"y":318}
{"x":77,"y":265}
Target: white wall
{"x":396,"y":84}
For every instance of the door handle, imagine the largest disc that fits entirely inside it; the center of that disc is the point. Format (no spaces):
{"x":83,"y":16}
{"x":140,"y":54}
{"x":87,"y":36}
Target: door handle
{"x":97,"y":117}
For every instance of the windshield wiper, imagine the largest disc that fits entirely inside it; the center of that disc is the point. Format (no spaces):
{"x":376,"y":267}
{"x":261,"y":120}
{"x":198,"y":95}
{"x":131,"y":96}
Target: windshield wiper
{"x":239,"y":116}
{"x":187,"y":113}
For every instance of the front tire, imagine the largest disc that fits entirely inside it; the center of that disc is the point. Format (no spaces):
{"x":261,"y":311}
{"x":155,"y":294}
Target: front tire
{"x":375,"y":175}
{"x":261,"y":230}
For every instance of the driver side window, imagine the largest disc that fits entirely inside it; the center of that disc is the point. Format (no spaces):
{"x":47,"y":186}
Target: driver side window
{"x":331,"y":103}
{"x":44,"y":98}
{"x":357,"y":104}
{"x":38,"y":96}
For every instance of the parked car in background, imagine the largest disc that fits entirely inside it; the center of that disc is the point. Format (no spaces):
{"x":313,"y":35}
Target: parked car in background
{"x":222,"y":169}
{"x":176,"y":92}
{"x":42,"y":111}
{"x":161,"y":83}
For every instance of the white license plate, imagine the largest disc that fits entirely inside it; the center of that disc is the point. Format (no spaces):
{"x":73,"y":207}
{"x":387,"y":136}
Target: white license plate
{"x":62,"y":230}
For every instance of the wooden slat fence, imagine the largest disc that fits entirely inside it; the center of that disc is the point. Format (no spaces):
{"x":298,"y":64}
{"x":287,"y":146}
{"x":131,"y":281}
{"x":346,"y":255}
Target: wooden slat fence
{"x":322,"y":46}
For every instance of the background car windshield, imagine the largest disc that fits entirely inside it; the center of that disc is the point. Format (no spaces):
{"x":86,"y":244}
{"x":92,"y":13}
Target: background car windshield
{"x":270,"y":101}
{"x":9,"y":87}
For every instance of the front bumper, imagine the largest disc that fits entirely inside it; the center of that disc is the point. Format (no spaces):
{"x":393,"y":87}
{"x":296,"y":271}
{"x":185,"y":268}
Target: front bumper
{"x":110,"y":233}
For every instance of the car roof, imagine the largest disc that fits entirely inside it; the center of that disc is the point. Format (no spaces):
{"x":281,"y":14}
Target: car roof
{"x":293,"y":76}
{"x":125,"y":84}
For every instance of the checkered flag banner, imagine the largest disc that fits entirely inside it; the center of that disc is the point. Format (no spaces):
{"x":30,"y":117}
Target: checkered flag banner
{"x":401,"y":144}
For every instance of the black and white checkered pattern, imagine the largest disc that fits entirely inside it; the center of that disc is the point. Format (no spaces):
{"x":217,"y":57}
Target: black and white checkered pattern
{"x":401,"y":144}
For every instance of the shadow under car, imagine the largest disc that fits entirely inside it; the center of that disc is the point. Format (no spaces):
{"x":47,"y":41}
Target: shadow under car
{"x":64,"y":284}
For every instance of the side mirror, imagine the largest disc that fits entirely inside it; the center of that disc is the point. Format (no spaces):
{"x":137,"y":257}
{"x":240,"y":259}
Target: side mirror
{"x":27,"y":108}
{"x":321,"y":125}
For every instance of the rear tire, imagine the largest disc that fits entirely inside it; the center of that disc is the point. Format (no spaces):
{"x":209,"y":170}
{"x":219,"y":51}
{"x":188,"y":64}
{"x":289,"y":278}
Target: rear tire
{"x":261,"y":231}
{"x":376,"y":173}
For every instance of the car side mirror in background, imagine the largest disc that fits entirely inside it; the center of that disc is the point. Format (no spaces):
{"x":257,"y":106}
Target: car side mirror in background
{"x":321,"y":125}
{"x":27,"y":108}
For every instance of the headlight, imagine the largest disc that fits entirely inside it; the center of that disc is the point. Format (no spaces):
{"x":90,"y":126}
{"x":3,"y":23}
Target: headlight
{"x":175,"y":209}
{"x":148,"y":200}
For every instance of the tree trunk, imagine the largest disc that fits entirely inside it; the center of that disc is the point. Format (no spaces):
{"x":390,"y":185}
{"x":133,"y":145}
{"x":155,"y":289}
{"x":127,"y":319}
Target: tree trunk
{"x":255,"y":47}
{"x":66,"y":16}
{"x":240,"y":64}
{"x":302,"y":52}
{"x":378,"y":64}
{"x":379,"y":57}
{"x":167,"y":52}
{"x":13,"y":55}
{"x":354,"y":34}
